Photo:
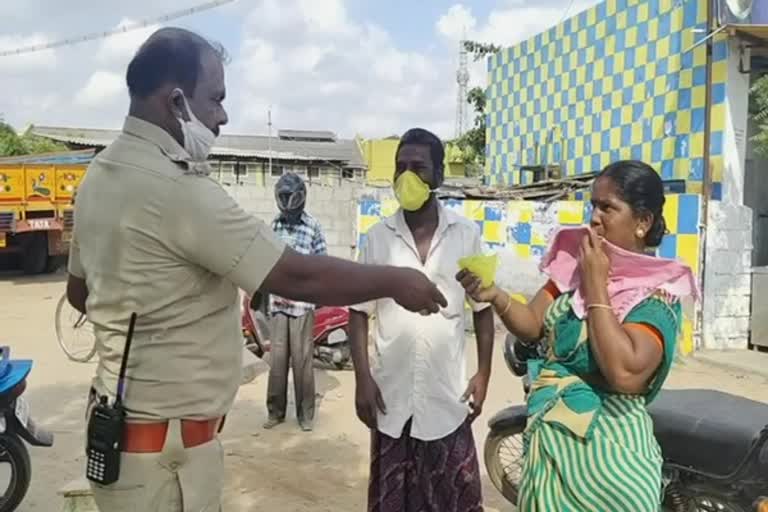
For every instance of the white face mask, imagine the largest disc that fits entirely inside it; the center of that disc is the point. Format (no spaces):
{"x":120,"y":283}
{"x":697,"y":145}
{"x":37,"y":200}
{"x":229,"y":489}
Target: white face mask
{"x":198,"y":139}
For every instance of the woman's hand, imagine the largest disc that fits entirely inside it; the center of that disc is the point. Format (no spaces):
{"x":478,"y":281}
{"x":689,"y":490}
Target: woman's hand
{"x":594,"y":264}
{"x":473,"y":286}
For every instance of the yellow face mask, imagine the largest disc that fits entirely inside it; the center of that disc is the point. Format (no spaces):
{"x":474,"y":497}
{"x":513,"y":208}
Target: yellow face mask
{"x":411,"y":191}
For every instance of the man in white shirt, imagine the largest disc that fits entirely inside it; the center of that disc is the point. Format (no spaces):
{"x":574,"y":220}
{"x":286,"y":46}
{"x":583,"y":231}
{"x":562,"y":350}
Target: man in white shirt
{"x":423,"y":455}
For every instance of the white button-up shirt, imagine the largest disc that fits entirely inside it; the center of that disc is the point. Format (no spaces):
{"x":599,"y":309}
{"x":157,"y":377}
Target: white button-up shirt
{"x":419,"y":361}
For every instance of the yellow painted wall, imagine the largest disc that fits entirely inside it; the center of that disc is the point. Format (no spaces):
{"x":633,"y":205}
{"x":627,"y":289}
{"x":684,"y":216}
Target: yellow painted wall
{"x":379,"y":155}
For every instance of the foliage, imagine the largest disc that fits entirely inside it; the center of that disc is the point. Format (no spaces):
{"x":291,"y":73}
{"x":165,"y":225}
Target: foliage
{"x":758,"y":109}
{"x":13,"y":144}
{"x":481,"y":50}
{"x":470,"y":147}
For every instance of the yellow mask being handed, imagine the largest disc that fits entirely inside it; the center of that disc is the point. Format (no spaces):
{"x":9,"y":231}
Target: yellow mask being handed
{"x":411,"y":191}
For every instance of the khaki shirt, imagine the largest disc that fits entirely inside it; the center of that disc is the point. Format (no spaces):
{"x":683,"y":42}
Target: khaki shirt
{"x":157,"y":236}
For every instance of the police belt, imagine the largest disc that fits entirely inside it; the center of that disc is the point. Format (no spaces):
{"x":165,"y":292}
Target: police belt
{"x":149,"y":437}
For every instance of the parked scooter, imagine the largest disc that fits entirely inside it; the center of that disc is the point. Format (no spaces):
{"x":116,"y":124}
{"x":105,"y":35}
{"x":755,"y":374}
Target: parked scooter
{"x":715,"y":445}
{"x":330,"y":334}
{"x":16,"y":426}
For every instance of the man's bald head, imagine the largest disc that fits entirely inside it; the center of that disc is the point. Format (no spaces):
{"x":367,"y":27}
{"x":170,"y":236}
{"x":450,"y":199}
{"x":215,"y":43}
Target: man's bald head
{"x":171,"y":56}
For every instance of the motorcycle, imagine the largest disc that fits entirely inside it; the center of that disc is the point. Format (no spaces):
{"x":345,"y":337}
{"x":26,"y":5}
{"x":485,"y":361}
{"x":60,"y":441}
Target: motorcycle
{"x":16,"y":427}
{"x":714,"y":444}
{"x":330,"y":334}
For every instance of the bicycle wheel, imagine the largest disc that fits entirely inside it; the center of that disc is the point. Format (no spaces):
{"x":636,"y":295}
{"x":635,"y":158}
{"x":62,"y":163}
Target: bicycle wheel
{"x":74,"y":332}
{"x":504,"y":461}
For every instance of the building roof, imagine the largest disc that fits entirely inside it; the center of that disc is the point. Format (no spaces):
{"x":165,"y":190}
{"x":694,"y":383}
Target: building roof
{"x":83,"y":156}
{"x":297,"y":145}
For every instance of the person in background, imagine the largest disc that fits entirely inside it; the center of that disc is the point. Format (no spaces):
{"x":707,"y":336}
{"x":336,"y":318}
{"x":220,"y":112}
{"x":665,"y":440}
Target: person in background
{"x":155,"y":235}
{"x":609,"y":318}
{"x":291,"y":322}
{"x":423,"y":455}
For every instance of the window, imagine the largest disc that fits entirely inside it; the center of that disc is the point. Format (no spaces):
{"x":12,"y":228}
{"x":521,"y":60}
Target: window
{"x":314,"y":172}
{"x":252,"y":168}
{"x":348,"y":174}
{"x":241,"y":170}
{"x":277,"y":170}
{"x":227,"y":169}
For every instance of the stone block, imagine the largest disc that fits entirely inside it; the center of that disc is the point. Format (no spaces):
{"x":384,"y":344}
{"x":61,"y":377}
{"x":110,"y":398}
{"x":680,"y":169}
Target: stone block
{"x":322,"y":193}
{"x":732,"y":306}
{"x":332,"y":238}
{"x":729,"y":216}
{"x":734,"y":240}
{"x":726,"y":328}
{"x":729,"y":262}
{"x":734,"y":284}
{"x":343,"y":193}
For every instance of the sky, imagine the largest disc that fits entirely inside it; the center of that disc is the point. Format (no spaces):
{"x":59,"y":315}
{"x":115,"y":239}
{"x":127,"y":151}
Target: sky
{"x":355,"y":67}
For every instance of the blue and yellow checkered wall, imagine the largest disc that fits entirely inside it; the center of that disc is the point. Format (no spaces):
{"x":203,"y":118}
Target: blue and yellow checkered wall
{"x":618,"y":81}
{"x":526,"y":227}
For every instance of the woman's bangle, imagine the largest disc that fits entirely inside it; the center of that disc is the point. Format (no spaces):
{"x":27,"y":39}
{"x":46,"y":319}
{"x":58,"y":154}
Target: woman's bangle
{"x":506,"y":309}
{"x":599,"y":306}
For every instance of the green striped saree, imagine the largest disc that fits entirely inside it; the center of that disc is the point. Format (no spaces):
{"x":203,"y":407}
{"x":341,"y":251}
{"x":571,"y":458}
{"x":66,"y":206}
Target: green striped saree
{"x":588,"y":450}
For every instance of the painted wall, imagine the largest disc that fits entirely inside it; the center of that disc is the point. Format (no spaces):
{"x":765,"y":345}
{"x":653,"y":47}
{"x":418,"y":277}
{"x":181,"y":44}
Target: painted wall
{"x":615,"y":82}
{"x":379,"y":155}
{"x":519,"y":232}
{"x":729,"y":241}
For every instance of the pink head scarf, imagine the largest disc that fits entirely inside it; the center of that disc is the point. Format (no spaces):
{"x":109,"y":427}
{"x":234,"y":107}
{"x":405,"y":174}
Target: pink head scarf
{"x":633,"y":277}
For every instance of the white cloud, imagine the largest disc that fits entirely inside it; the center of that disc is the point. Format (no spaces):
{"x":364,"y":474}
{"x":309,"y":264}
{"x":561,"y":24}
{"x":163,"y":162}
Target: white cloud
{"x":120,"y":48}
{"x":514,"y":22}
{"x":28,"y":61}
{"x":313,"y":62}
{"x":457,"y":22}
{"x":334,"y":73}
{"x":103,"y":87}
{"x":324,"y":16}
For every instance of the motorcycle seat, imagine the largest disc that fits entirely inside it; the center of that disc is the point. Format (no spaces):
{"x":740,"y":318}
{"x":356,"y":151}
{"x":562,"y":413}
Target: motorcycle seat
{"x":707,"y":430}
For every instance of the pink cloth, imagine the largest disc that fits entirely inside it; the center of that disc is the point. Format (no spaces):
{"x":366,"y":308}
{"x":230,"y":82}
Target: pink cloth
{"x":632,"y":279}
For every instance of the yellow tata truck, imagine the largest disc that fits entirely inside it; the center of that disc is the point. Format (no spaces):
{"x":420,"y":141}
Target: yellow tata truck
{"x":36,"y":207}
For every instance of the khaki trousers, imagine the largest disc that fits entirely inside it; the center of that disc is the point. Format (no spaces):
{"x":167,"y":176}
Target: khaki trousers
{"x":291,"y":339}
{"x":176,"y":480}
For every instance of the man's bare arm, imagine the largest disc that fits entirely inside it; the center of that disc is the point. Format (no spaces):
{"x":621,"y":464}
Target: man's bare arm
{"x":337,"y":282}
{"x":77,"y":292}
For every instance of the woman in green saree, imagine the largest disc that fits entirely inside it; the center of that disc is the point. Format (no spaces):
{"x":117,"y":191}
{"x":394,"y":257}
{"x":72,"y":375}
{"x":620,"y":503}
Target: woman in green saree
{"x":610,"y":316}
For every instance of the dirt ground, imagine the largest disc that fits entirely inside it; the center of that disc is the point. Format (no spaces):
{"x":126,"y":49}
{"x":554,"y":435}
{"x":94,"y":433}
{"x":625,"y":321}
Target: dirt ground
{"x":282,"y":470}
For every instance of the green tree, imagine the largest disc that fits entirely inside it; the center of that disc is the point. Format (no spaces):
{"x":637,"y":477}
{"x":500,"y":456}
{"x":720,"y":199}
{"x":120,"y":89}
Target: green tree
{"x":471,"y":145}
{"x":10,"y":143}
{"x":758,"y":109}
{"x":13,"y":144}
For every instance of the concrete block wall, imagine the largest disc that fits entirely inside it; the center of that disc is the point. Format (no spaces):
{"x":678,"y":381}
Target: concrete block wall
{"x":334,"y":206}
{"x":728,"y":277}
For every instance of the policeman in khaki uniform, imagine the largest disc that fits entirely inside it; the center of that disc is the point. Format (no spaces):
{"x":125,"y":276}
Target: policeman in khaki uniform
{"x":155,"y":235}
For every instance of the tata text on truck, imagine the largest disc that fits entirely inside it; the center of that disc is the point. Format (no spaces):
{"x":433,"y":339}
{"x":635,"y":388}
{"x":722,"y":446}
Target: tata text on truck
{"x":36,"y":200}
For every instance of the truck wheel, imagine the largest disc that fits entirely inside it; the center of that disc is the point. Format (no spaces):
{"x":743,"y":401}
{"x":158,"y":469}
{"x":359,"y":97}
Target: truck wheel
{"x":35,"y":256}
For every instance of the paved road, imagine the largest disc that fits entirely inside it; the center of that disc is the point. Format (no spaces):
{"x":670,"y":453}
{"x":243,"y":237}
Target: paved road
{"x":282,"y":470}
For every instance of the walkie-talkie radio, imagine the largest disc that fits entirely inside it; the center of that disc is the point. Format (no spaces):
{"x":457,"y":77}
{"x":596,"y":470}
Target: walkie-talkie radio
{"x":105,"y":428}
